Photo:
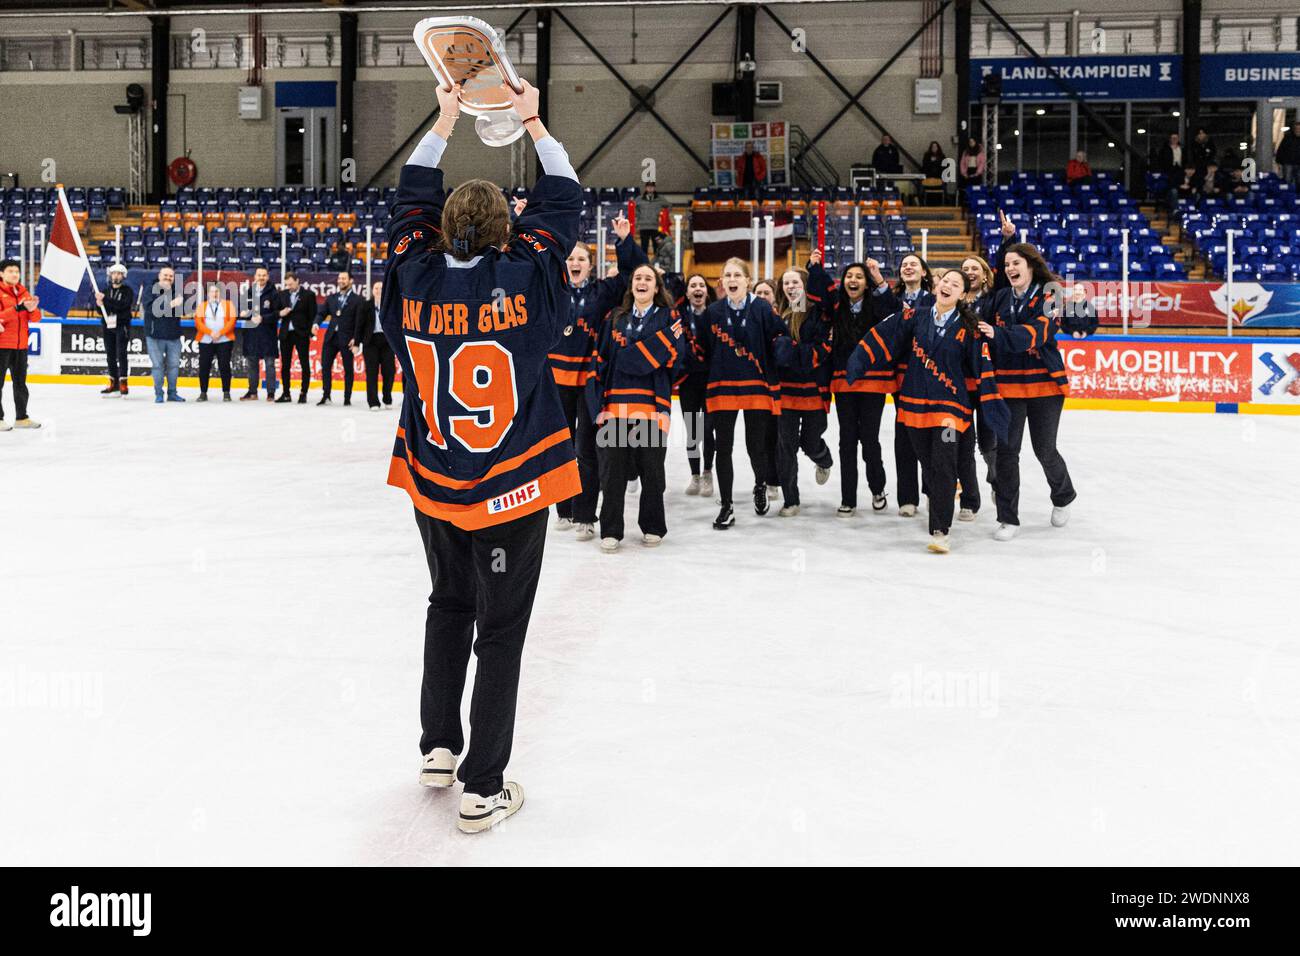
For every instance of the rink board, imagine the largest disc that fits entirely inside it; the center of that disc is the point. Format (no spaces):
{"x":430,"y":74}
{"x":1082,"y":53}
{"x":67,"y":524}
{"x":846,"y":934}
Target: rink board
{"x":1112,"y":372}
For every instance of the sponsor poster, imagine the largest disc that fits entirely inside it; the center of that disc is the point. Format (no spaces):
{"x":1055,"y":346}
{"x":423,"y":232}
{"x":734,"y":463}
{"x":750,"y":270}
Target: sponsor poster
{"x":1199,"y":304}
{"x":1276,"y":372}
{"x":1156,"y":370}
{"x":770,"y":139}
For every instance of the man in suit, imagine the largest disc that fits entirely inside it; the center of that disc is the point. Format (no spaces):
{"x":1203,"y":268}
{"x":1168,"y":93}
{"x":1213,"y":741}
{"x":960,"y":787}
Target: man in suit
{"x":259,"y":313}
{"x":340,"y":312}
{"x":374,"y":348}
{"x":297,"y":326}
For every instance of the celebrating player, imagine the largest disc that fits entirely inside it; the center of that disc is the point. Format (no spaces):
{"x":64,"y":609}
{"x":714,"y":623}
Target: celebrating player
{"x":472,"y":308}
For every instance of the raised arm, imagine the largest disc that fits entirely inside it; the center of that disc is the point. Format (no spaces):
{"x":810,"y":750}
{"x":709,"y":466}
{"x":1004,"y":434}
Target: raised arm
{"x":880,"y":348}
{"x":548,"y":224}
{"x":415,"y":219}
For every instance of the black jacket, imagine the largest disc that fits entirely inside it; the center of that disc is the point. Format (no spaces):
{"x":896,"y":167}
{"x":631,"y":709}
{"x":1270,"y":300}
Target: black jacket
{"x":342,"y":319}
{"x":259,"y":340}
{"x":1201,"y":154}
{"x":365,"y":328}
{"x":886,"y":160}
{"x":932,"y":166}
{"x":303,"y":315}
{"x":1288,"y":151}
{"x":119,"y":302}
{"x":1167,"y":165}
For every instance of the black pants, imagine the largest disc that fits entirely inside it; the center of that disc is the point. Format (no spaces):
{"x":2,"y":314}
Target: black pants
{"x":907,"y":465}
{"x":484,"y":579}
{"x":758,"y":434}
{"x":937,"y":451}
{"x":221,"y":351}
{"x":581,"y":508}
{"x":14,"y":362}
{"x":966,"y":471}
{"x":648,"y":240}
{"x":630,"y":449}
{"x":858,"y":415}
{"x":1043,"y":415}
{"x":699,"y":428}
{"x":379,"y":359}
{"x":799,"y":430}
{"x":331,"y":350}
{"x":289,"y":343}
{"x":117,"y":342}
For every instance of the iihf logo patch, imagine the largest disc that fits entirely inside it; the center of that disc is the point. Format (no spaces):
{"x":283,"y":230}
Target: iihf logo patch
{"x":513,"y":499}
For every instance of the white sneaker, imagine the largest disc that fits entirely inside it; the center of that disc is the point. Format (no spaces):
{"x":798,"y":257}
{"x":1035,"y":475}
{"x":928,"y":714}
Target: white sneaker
{"x":585,"y":532}
{"x":789,"y":511}
{"x":965,"y":515}
{"x":823,"y":475}
{"x":1005,"y":532}
{"x":844,"y":511}
{"x":907,"y":511}
{"x":773,"y":492}
{"x":483,"y":813}
{"x":27,"y":423}
{"x":651,"y":540}
{"x":694,"y":487}
{"x":706,"y":485}
{"x":1060,"y":517}
{"x":564,"y":524}
{"x":609,"y":545}
{"x":439,"y":768}
{"x":878,"y":502}
{"x":5,"y":426}
{"x":633,"y":486}
{"x":938,"y":543}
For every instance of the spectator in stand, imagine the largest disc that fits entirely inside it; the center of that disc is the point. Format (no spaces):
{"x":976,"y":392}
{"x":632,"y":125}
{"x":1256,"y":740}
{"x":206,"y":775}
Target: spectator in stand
{"x":1202,"y":150}
{"x":1171,"y":159}
{"x":16,"y":305}
{"x":932,"y":161}
{"x":340,"y":258}
{"x":1237,"y":184}
{"x":1288,"y":155}
{"x":375,"y":350}
{"x":118,"y":302}
{"x":259,"y":335}
{"x":751,"y":170}
{"x":1077,"y":170}
{"x":1190,"y":187}
{"x":886,"y":159}
{"x":648,"y":208}
{"x":214,"y":331}
{"x":1215,"y":183}
{"x":970,"y":166}
{"x":161,"y":310}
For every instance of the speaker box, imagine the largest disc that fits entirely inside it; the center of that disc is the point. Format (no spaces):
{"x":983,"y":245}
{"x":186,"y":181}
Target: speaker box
{"x":725,"y":99}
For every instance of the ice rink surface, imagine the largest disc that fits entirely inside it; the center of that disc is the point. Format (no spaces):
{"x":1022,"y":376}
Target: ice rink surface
{"x":210,"y":652}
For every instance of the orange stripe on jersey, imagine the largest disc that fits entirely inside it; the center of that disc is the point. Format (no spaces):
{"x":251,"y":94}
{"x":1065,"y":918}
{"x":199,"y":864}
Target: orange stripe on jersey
{"x":500,"y":468}
{"x":739,"y":403}
{"x":931,"y":420}
{"x":558,"y":484}
{"x":739,"y":384}
{"x":654,"y":362}
{"x":935,"y":401}
{"x":571,"y":378}
{"x":1033,"y":389}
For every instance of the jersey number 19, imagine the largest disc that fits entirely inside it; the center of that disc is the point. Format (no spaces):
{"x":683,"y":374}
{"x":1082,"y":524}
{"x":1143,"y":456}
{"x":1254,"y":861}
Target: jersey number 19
{"x":480,"y":379}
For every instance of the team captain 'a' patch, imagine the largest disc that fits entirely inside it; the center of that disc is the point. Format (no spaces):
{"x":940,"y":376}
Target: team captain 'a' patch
{"x":513,"y":499}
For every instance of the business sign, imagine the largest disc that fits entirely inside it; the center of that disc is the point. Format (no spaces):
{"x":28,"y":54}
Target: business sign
{"x":728,"y":146}
{"x":1249,"y":75}
{"x":1135,"y":77}
{"x":1159,"y":370}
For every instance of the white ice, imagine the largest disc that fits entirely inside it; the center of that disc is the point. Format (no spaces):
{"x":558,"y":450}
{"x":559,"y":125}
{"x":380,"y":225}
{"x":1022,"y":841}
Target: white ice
{"x":212,"y":618}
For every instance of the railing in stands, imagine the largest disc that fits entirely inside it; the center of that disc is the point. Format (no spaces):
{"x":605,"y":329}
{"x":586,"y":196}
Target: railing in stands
{"x":809,"y":166}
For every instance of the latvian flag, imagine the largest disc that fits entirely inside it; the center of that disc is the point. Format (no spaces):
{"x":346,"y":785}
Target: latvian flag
{"x":717,"y":236}
{"x":64,"y":265}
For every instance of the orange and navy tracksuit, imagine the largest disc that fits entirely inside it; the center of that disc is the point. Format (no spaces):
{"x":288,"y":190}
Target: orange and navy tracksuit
{"x":737,"y":347}
{"x":1031,"y":377}
{"x":639,"y":357}
{"x":804,"y":369}
{"x":946,"y":363}
{"x":571,"y":358}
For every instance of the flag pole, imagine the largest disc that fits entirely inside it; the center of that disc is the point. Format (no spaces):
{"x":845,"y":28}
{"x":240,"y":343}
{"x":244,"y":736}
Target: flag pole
{"x":85,"y":260}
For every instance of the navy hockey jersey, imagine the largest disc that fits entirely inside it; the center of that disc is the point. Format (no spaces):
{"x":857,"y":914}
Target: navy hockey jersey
{"x":941,"y":368}
{"x":482,"y":437}
{"x":804,"y":367}
{"x":1028,"y":363}
{"x":824,"y":292}
{"x":638,"y":360}
{"x":738,"y":348}
{"x":589,"y":303}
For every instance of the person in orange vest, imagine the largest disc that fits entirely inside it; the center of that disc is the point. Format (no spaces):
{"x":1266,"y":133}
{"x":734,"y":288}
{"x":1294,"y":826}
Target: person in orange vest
{"x":214,"y":331}
{"x":16,"y":305}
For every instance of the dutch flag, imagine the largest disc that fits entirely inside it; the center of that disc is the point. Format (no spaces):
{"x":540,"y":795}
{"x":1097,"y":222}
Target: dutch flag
{"x":64,"y":265}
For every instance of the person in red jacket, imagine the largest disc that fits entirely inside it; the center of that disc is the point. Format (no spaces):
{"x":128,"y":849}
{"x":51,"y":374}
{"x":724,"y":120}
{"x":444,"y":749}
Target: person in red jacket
{"x":1077,"y":170}
{"x":16,"y":305}
{"x":751,"y":170}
